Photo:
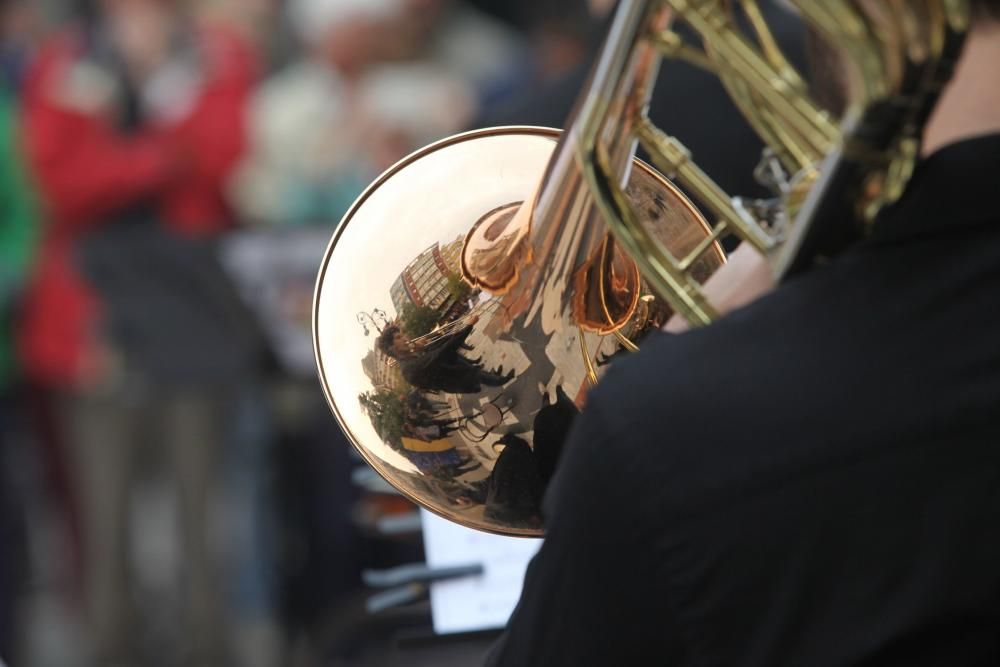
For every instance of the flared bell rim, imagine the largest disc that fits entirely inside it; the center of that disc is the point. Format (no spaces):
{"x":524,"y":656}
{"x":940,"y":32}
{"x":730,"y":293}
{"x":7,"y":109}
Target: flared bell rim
{"x":325,"y":321}
{"x":379,"y":466}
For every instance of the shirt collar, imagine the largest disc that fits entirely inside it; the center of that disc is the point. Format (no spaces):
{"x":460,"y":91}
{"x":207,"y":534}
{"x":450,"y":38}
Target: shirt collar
{"x":957,"y":186}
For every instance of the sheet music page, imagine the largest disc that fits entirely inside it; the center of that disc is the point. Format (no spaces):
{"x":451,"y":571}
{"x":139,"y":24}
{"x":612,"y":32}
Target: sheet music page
{"x":474,"y":603}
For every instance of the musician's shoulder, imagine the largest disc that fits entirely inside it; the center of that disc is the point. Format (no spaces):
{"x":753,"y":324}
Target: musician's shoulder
{"x":694,"y":411}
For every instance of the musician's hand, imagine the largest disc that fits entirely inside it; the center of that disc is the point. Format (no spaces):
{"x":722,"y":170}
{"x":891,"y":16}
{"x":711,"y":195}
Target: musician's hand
{"x":745,"y":278}
{"x":473,"y":320}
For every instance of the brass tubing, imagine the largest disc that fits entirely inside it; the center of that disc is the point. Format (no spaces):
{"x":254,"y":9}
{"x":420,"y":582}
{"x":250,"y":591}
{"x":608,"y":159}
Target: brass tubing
{"x":671,"y":157}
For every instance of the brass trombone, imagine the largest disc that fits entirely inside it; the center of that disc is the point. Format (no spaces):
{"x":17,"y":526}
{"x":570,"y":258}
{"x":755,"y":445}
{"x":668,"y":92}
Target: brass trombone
{"x":580,"y":249}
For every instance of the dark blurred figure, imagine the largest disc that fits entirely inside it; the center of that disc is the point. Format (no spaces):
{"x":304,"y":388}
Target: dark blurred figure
{"x":551,"y":426}
{"x":515,"y":486}
{"x":21,"y":26}
{"x":133,"y":121}
{"x":561,"y":36}
{"x":562,"y":39}
{"x":17,"y":240}
{"x":439,"y":365}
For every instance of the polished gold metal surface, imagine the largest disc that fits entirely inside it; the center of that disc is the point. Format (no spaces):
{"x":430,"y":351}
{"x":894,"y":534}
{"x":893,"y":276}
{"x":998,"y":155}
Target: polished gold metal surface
{"x":825,"y":172}
{"x":474,"y":292}
{"x":485,"y":382}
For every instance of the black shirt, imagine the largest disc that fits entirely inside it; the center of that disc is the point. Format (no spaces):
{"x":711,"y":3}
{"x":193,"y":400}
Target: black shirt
{"x":813,"y":480}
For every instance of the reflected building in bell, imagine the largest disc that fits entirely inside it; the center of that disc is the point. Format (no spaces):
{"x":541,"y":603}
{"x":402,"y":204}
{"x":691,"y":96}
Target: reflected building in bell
{"x":428,"y":280}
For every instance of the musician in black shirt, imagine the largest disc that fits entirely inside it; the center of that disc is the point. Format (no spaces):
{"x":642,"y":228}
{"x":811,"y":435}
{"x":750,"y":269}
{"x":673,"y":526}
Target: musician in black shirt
{"x":813,"y":480}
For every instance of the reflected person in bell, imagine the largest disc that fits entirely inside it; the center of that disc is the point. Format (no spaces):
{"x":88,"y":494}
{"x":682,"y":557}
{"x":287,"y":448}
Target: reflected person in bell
{"x":439,"y":365}
{"x":814,"y":479}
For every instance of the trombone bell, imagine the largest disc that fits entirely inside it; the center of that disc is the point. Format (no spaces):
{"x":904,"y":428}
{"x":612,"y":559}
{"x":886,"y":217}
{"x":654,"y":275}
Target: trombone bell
{"x":464,"y":408}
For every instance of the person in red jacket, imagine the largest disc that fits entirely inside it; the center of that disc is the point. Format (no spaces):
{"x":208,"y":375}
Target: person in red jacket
{"x":88,"y":170}
{"x":133,"y":120}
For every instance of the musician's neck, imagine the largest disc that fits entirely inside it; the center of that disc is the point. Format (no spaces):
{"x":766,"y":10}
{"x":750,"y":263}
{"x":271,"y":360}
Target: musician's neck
{"x":970,"y":105}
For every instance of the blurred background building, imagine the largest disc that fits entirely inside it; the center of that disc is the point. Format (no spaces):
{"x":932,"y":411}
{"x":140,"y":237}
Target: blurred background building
{"x":173,"y":489}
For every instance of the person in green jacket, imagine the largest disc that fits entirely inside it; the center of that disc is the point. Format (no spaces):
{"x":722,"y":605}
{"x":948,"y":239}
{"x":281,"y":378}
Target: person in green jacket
{"x":18,"y":231}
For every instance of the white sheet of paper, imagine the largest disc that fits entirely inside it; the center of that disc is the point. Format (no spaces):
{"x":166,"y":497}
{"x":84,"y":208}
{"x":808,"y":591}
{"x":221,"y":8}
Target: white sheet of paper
{"x":474,"y":603}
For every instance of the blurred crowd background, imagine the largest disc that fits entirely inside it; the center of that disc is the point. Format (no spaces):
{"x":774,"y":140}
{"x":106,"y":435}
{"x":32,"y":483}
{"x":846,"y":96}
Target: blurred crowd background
{"x":173,"y":488}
